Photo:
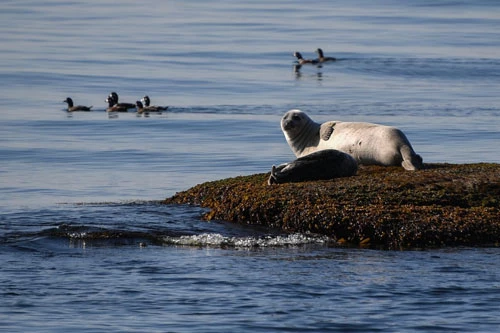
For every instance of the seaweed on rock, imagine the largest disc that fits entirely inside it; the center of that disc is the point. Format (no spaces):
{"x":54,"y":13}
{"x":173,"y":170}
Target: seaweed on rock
{"x":382,"y":207}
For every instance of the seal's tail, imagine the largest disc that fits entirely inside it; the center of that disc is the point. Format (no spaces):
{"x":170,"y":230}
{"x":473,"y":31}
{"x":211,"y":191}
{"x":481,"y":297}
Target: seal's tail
{"x":272,"y":178}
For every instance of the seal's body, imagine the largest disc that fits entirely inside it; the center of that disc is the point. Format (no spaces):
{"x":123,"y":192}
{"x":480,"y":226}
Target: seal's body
{"x":368,"y":143}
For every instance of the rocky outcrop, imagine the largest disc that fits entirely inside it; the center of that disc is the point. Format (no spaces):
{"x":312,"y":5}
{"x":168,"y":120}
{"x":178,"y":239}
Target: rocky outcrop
{"x":380,"y":207}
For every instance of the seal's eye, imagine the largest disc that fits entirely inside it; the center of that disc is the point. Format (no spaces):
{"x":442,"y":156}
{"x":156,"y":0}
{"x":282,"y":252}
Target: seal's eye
{"x":296,"y":117}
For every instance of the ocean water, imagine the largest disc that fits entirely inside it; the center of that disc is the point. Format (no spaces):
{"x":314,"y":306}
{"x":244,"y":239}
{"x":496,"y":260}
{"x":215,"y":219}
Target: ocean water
{"x":85,"y":245}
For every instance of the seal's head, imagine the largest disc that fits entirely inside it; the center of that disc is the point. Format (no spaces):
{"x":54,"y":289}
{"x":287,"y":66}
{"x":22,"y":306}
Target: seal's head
{"x":293,"y":121}
{"x":301,"y":132}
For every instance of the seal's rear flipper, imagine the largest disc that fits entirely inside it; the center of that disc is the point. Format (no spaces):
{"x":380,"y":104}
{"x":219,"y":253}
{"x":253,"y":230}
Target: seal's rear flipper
{"x":415,"y":162}
{"x":272,"y":178}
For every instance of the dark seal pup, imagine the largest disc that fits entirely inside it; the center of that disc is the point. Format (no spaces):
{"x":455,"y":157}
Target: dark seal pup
{"x":320,"y":165}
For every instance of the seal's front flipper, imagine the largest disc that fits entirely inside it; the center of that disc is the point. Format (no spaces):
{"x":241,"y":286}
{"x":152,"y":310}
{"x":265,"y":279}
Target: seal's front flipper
{"x":326,"y":130}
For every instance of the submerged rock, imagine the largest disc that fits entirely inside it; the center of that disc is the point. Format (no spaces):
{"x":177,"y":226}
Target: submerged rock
{"x":380,"y":207}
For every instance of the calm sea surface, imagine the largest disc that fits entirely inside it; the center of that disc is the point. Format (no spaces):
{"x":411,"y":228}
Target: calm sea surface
{"x":84,"y":244}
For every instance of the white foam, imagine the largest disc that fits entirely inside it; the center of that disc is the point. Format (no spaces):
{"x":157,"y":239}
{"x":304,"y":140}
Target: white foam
{"x":218,"y":240}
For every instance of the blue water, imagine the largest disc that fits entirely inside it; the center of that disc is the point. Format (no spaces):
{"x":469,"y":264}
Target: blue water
{"x":86,"y":247}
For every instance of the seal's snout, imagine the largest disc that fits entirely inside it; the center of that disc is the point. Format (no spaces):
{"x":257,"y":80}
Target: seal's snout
{"x":288,"y":124}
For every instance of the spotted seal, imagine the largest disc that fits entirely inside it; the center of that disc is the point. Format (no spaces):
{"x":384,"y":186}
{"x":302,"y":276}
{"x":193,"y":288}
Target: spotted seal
{"x":367,"y":143}
{"x":320,"y":165}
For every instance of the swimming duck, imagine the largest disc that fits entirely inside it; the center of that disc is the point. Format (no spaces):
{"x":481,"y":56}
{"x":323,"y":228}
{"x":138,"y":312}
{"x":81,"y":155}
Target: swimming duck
{"x":113,"y":107}
{"x":140,"y":107}
{"x":152,"y":108}
{"x":322,"y":58}
{"x":72,"y":107}
{"x":303,"y":61}
{"x":114,"y":96}
{"x":145,"y":109}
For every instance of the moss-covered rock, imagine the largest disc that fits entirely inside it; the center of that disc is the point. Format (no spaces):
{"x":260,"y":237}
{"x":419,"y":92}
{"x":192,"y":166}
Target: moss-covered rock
{"x":383,"y":207}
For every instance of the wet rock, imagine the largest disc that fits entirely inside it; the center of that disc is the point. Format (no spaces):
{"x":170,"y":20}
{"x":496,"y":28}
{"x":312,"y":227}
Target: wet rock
{"x":380,"y":207}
